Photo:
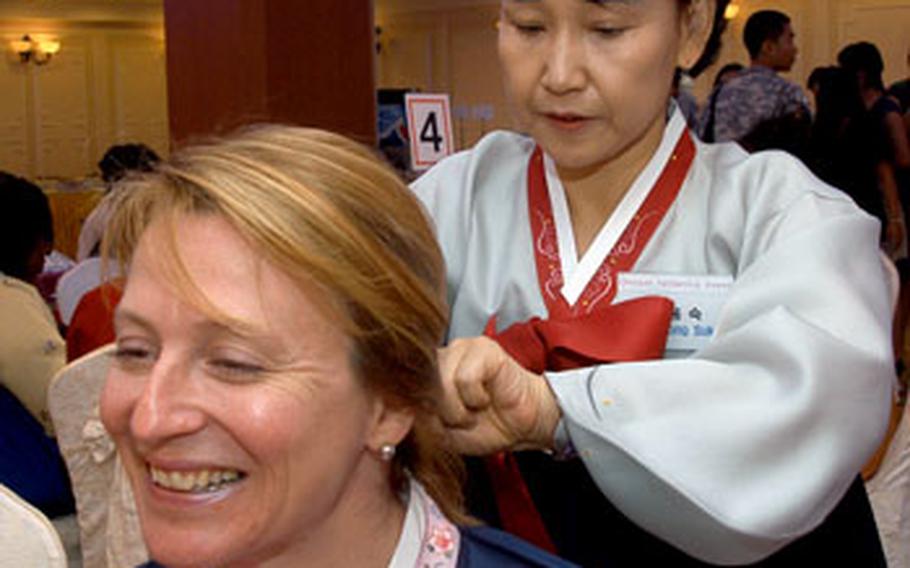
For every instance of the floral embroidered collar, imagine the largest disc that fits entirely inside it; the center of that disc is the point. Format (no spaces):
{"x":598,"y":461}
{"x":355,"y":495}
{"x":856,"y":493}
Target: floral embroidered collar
{"x":428,"y":539}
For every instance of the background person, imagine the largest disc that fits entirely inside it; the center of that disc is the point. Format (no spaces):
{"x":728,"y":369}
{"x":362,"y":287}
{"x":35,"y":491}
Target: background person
{"x":848,"y":151}
{"x":86,"y":295}
{"x":31,"y":352}
{"x":759,"y":108}
{"x":118,"y":161}
{"x":817,"y":79}
{"x":31,"y":349}
{"x":863,"y":62}
{"x":706,"y":121}
{"x":901,"y":91}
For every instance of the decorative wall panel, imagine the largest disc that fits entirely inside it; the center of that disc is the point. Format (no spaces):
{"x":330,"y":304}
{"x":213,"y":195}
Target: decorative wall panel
{"x":14,"y":117}
{"x":106,"y":85}
{"x":64,"y":137}
{"x":139,"y":94}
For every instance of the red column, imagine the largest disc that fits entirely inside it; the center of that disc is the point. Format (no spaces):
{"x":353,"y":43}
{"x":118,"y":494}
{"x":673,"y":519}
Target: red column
{"x":233,"y":62}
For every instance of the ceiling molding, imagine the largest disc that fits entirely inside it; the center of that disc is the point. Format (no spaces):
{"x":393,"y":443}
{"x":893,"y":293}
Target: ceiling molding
{"x":82,"y":11}
{"x":410,"y":6}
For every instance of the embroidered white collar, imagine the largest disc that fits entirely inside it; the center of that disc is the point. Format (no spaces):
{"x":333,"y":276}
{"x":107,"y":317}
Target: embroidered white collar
{"x":578,"y":272}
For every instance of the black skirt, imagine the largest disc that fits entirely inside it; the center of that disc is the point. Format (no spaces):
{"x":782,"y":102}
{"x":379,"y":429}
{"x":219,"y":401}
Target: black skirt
{"x":587,"y":529}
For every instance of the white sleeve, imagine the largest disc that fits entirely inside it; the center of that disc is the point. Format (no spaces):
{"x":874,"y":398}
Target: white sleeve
{"x":733,"y":453}
{"x":484,"y":177}
{"x":448,"y":205}
{"x":92,"y":231}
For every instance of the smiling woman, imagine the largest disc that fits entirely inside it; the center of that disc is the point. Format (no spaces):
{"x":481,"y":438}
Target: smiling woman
{"x":274,"y":391}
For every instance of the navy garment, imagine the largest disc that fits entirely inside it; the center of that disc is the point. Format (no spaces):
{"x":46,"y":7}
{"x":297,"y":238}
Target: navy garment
{"x":878,"y":114}
{"x":901,"y":91}
{"x":30,"y":462}
{"x":485,"y":546}
{"x":846,"y":153}
{"x":586,"y":528}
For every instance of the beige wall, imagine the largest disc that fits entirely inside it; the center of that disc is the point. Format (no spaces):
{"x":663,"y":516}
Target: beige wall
{"x":106,"y":85}
{"x":449,"y":46}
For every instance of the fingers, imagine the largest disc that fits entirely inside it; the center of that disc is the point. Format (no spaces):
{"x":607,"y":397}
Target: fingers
{"x":454,"y":413}
{"x":465,"y":369}
{"x":470,"y":380}
{"x":472,"y":372}
{"x":490,"y":402}
{"x":483,"y":438}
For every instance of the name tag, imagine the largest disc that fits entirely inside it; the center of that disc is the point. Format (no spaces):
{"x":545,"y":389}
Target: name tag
{"x":697,"y":301}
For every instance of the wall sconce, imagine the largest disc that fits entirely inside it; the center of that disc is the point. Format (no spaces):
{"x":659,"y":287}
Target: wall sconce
{"x":38,"y":51}
{"x":731,"y":11}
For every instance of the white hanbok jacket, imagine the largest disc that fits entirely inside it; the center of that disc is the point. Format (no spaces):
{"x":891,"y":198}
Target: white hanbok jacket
{"x":747,"y":443}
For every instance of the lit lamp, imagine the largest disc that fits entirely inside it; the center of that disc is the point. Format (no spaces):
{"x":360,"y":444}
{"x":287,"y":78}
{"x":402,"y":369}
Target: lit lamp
{"x":731,"y":11}
{"x":38,"y":51}
{"x":22,"y":47}
{"x":46,"y":49}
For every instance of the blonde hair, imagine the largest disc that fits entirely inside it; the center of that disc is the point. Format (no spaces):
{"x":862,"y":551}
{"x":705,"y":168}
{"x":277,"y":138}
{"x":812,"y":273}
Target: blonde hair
{"x":326,"y":211}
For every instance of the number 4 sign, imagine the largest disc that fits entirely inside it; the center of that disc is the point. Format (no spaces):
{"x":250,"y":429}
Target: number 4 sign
{"x":429,"y":129}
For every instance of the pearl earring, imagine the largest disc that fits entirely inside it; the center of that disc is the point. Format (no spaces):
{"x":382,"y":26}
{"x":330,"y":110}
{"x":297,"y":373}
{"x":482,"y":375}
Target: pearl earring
{"x":386,"y":452}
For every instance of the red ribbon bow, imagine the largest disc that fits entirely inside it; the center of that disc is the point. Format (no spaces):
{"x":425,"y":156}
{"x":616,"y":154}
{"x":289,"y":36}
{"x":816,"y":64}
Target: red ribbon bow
{"x":633,"y":330}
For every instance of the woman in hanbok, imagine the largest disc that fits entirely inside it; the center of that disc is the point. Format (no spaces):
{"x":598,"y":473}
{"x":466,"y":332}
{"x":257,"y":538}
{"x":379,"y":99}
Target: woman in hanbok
{"x":692,"y":343}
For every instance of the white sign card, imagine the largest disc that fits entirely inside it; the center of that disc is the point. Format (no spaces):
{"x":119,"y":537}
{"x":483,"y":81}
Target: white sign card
{"x":697,"y":302}
{"x":429,"y":128}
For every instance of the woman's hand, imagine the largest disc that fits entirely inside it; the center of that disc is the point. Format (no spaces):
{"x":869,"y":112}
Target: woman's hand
{"x":491,"y":402}
{"x":887,"y":185}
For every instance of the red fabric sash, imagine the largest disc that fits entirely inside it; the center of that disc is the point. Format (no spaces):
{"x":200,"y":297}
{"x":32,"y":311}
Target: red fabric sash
{"x":637,"y":330}
{"x":589,"y":332}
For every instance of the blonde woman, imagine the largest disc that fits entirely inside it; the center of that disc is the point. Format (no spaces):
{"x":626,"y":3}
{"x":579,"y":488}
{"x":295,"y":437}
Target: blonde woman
{"x":274,"y":392}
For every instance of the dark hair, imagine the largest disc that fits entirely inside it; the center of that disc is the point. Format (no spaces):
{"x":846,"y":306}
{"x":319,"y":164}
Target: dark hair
{"x":25,"y":223}
{"x":712,"y":47}
{"x":762,"y":26}
{"x":820,"y":76}
{"x":728,"y":68}
{"x":123,"y":158}
{"x":839,"y":98}
{"x":866,"y":58}
{"x":843,"y":149}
